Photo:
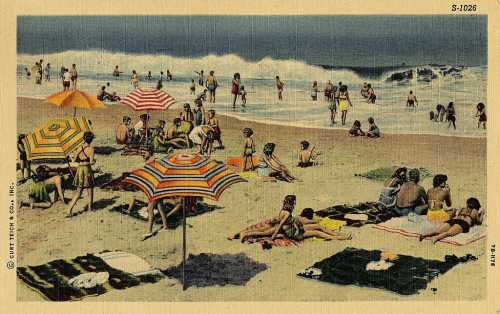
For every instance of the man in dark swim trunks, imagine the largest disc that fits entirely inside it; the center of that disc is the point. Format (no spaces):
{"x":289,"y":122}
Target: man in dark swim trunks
{"x":412,"y":100}
{"x":412,"y":196}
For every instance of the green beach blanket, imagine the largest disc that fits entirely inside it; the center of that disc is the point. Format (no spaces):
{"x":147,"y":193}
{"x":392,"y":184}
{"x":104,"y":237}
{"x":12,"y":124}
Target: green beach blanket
{"x":384,"y":173}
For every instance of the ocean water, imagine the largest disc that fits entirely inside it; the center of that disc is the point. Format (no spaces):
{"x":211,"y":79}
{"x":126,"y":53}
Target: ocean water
{"x":297,"y":108}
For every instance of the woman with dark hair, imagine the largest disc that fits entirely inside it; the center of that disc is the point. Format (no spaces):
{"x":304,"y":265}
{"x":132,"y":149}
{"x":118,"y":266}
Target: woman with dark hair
{"x":285,"y":224}
{"x":235,"y":88}
{"x":279,"y":170}
{"x":43,"y":180}
{"x":356,"y":129}
{"x":344,"y":102}
{"x":84,"y":177}
{"x":306,"y":155}
{"x":388,"y":196}
{"x":187,"y":114}
{"x":481,"y":113}
{"x":438,"y":196}
{"x":451,"y":115}
{"x":461,"y":221}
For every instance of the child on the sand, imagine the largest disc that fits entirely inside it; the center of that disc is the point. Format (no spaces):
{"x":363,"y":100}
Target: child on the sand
{"x":373,"y":130}
{"x":461,"y":221}
{"x":481,"y":113}
{"x":28,"y":73}
{"x":306,"y":155}
{"x":356,"y":129}
{"x":248,"y":150}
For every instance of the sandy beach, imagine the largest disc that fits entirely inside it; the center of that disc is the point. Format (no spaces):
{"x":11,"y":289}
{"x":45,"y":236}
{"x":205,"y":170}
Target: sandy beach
{"x":45,"y":235}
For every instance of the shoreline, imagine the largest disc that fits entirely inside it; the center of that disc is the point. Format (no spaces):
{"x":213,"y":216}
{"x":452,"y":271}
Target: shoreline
{"x":284,"y":124}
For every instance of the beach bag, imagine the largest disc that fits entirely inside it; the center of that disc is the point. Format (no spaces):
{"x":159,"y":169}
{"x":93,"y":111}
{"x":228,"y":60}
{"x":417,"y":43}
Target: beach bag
{"x":388,"y":197}
{"x":263,"y":170}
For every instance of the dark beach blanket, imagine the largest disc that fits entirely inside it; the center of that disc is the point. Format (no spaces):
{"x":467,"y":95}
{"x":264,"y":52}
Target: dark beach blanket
{"x":51,"y":279}
{"x":118,"y":184}
{"x":173,"y":221}
{"x":205,"y":270}
{"x":376,"y":213}
{"x":407,"y":276}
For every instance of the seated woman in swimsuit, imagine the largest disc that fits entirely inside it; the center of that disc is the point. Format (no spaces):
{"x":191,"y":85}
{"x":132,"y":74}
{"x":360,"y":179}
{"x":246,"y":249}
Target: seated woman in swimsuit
{"x":39,"y":196}
{"x":438,"y":196}
{"x":176,"y":135}
{"x":461,"y":221}
{"x":388,"y":196}
{"x":288,"y":226}
{"x":307,"y":155}
{"x":278,"y":169}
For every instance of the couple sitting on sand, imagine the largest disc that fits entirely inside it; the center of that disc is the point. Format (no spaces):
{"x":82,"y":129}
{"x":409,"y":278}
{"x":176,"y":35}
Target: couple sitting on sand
{"x":404,"y":197}
{"x":373,"y":131}
{"x":285,"y":225}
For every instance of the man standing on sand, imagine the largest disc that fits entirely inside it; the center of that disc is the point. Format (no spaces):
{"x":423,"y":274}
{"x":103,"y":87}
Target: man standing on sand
{"x":412,"y":100}
{"x":66,"y":79}
{"x":280,"y":86}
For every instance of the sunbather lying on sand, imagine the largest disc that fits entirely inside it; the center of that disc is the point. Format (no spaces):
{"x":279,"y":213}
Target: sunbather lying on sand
{"x":293,"y":228}
{"x":461,"y":222}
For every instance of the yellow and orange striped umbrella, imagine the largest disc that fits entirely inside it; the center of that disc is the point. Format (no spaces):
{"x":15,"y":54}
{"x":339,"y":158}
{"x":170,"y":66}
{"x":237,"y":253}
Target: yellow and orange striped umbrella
{"x":56,"y":139}
{"x":183,"y":175}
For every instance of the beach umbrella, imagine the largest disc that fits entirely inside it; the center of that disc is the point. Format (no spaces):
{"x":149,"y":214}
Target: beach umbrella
{"x":143,"y":99}
{"x":75,"y":99}
{"x":183,"y":176}
{"x":56,"y":139}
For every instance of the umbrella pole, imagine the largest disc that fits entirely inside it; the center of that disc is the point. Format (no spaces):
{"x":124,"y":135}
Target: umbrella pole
{"x":183,"y":243}
{"x":74,"y":112}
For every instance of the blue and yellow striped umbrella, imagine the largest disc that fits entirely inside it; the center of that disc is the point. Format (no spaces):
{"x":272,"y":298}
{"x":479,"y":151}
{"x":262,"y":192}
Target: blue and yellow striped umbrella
{"x":56,"y":139}
{"x":183,"y":176}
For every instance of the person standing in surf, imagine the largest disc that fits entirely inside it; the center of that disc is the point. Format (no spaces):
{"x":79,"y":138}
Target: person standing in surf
{"x":314,"y":91}
{"x":344,"y":102}
{"x":235,"y":88}
{"x":481,"y":113}
{"x":280,"y":86}
{"x":412,"y":100}
{"x":74,"y":76}
{"x":134,"y":80}
{"x":212,"y":85}
{"x":451,"y":115}
{"x":201,"y":77}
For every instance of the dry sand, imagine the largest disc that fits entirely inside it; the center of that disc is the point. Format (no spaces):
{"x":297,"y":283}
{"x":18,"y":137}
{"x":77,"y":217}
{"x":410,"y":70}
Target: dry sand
{"x":44,"y":235}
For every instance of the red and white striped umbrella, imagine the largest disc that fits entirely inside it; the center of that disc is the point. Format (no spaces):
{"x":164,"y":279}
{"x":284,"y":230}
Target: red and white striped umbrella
{"x":141,"y":99}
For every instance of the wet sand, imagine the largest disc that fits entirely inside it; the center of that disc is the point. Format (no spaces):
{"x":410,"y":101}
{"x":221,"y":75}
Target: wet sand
{"x":44,"y":235}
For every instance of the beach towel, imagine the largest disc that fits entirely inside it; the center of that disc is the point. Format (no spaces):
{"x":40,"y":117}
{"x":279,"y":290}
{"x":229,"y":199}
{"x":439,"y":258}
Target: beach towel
{"x":88,"y":275}
{"x":402,"y":226}
{"x":357,"y":215}
{"x":173,"y":221}
{"x":238,"y":161}
{"x":405,"y":275}
{"x":205,"y":270}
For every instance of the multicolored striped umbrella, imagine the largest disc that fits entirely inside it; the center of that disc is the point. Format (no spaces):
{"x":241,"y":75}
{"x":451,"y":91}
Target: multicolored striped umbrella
{"x":141,"y":99}
{"x":56,"y":138}
{"x":183,"y":175}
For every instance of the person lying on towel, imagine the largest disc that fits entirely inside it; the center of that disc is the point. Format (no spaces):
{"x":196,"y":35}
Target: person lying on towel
{"x":461,"y":221}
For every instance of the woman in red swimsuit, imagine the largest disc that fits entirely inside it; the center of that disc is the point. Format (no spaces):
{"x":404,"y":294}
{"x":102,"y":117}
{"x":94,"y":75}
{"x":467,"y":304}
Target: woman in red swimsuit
{"x":235,"y":88}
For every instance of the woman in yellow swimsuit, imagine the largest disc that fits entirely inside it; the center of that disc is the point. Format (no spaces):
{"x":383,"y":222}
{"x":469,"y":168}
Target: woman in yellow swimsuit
{"x":344,"y":102}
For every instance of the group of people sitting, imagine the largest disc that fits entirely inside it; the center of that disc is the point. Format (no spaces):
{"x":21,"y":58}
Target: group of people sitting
{"x":373,"y":130}
{"x":404,"y":196}
{"x":103,"y":95}
{"x":368,"y":93}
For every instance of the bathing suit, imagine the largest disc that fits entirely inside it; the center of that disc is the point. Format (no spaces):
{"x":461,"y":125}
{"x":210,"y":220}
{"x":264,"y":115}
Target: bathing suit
{"x":462,"y":223}
{"x":235,"y":88}
{"x":295,"y":230}
{"x":84,"y":176}
{"x":305,"y":164}
{"x":343,"y":103}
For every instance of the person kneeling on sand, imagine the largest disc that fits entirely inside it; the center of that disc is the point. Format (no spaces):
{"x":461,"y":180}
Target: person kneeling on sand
{"x":39,"y":196}
{"x":411,"y":197}
{"x":279,"y":170}
{"x":307,"y":156}
{"x":461,"y":222}
{"x":202,"y":138}
{"x":356,"y":129}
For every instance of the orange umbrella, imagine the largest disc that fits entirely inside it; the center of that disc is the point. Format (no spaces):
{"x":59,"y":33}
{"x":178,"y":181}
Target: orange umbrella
{"x":75,"y":99}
